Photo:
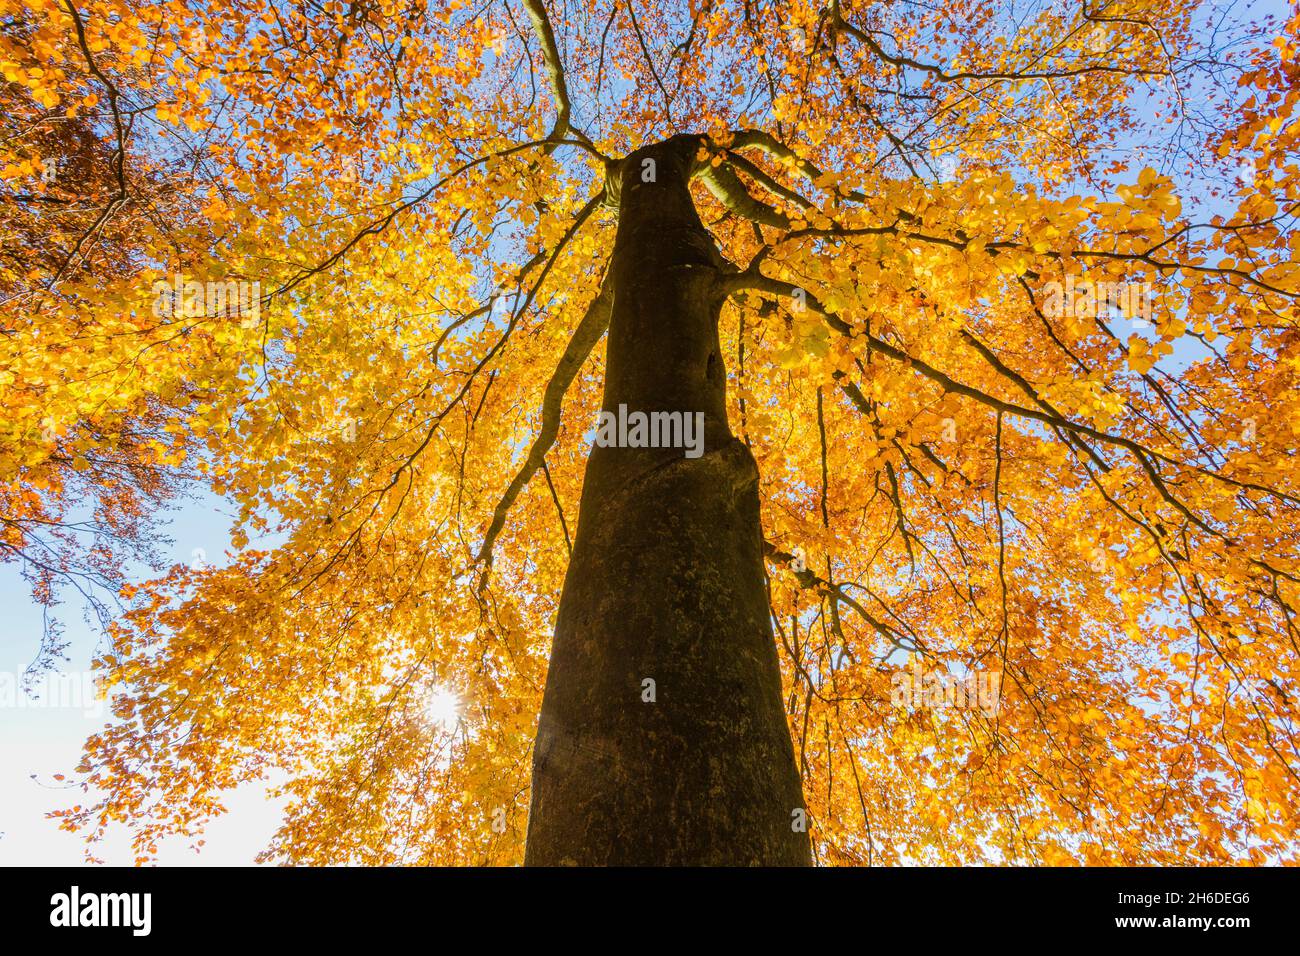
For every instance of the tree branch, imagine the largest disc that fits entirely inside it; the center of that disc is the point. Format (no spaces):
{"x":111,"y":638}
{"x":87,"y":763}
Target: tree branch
{"x":584,"y":338}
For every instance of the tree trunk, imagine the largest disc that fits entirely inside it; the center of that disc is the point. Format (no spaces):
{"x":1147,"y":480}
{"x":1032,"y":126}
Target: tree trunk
{"x":666,"y":585}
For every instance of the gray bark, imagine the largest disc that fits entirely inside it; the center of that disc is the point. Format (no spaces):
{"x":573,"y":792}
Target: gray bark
{"x":665,"y":583}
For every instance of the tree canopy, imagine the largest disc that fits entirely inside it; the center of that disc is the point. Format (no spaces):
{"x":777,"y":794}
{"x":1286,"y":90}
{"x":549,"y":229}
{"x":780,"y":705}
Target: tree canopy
{"x":1012,"y":335}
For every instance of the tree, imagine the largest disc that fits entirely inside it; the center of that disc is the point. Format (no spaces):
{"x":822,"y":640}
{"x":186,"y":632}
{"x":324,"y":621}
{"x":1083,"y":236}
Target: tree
{"x":91,"y":430}
{"x":989,"y":549}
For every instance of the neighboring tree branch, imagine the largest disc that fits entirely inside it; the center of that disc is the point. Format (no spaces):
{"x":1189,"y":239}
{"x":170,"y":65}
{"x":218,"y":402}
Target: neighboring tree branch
{"x":1146,"y":457}
{"x":118,"y":161}
{"x":834,"y":592}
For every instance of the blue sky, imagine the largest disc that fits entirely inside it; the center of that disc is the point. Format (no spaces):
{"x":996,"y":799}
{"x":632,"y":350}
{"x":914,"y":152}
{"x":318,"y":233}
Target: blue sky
{"x":37,"y":742}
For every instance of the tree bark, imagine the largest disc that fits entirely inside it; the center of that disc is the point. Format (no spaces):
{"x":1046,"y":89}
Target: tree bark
{"x":666,"y":584}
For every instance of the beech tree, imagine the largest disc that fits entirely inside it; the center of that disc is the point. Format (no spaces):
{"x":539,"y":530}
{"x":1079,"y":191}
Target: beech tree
{"x":80,"y":475}
{"x":989,"y":311}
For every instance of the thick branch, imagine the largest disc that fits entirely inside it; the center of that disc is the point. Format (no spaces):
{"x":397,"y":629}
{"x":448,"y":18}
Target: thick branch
{"x":584,"y":339}
{"x":554,"y":68}
{"x":723,"y":182}
{"x":1145,"y":457}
